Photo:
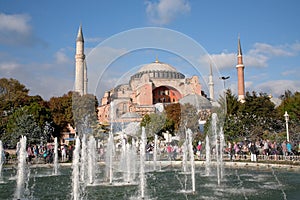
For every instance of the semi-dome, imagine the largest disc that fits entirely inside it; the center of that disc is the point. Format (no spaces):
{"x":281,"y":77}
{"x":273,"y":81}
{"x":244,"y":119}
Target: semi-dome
{"x":157,"y":66}
{"x":196,"y":100}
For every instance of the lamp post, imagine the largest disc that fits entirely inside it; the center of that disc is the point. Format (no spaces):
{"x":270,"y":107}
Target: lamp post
{"x":286,"y":117}
{"x":224,"y":78}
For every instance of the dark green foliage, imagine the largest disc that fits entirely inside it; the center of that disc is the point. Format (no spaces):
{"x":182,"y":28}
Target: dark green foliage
{"x":257,"y":117}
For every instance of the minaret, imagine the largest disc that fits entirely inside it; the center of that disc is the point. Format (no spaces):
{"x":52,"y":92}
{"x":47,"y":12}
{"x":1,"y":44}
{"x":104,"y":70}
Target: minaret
{"x":85,"y":79}
{"x":211,"y":84}
{"x":240,"y":72}
{"x":80,"y":72}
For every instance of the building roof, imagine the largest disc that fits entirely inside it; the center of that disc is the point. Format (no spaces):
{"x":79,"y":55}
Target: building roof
{"x":196,"y":100}
{"x":157,"y":66}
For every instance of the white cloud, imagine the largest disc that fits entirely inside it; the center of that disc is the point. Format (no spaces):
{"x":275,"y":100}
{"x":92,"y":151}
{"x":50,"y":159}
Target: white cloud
{"x":258,"y":56}
{"x":16,"y":30}
{"x":164,"y":11}
{"x":94,"y":40}
{"x":45,"y":79}
{"x":61,"y":57}
{"x":267,"y":49}
{"x":278,"y":87}
{"x":289,"y":72}
{"x":15,"y":23}
{"x":100,"y":69}
{"x":6,"y":67}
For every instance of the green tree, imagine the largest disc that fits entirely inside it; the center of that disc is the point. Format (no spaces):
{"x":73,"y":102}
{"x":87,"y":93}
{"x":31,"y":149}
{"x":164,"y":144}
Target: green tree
{"x":13,"y":95}
{"x":22,"y":122}
{"x":61,"y":111}
{"x":189,"y":119}
{"x":291,"y":104}
{"x":173,"y":112}
{"x":157,"y":124}
{"x":84,"y":110}
{"x":255,"y":118}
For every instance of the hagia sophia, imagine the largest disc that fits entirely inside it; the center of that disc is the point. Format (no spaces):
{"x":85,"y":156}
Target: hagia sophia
{"x":150,"y":88}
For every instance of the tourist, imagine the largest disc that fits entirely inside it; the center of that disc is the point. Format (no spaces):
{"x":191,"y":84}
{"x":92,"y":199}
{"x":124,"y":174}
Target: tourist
{"x":169,"y":151}
{"x":30,"y":154}
{"x":289,"y":148}
{"x":36,"y":152}
{"x":284,"y":149}
{"x":63,"y":153}
{"x":236,"y":149}
{"x":245,"y":150}
{"x":175,"y":152}
{"x":230,"y":150}
{"x":253,"y":151}
{"x":199,"y":147}
{"x":274,"y":149}
{"x":266,"y":147}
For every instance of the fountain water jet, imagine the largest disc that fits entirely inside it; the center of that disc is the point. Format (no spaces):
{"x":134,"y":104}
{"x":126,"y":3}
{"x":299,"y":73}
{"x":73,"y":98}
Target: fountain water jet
{"x":21,"y":172}
{"x":1,"y":159}
{"x":192,"y":159}
{"x":184,"y":156}
{"x":142,"y":163}
{"x":83,"y":159}
{"x":110,"y":151}
{"x":75,"y":172}
{"x":155,"y":153}
{"x":219,"y":144}
{"x":208,"y":156}
{"x":55,"y":162}
{"x":92,"y":161}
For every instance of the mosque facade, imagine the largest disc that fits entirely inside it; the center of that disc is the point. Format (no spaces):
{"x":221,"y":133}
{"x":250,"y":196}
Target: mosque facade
{"x":149,"y":89}
{"x":152,"y":86}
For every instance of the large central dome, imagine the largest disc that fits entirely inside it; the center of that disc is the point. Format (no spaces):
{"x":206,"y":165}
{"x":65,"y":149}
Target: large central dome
{"x":157,"y":66}
{"x":158,"y":70}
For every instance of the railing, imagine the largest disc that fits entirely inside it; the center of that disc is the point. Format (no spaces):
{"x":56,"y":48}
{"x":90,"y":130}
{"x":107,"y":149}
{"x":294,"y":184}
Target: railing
{"x":164,"y":156}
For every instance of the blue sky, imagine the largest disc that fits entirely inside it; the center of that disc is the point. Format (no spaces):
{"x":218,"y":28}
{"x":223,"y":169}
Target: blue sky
{"x":37,"y":41}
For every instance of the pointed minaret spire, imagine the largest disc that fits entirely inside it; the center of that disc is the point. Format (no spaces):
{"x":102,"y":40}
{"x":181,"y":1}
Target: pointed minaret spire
{"x":240,"y":72}
{"x":79,"y":34}
{"x":211,"y":84}
{"x":239,"y":47}
{"x":80,"y":68}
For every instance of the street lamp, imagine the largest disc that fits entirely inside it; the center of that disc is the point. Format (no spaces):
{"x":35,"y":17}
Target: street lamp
{"x":224,"y":78}
{"x":286,"y":117}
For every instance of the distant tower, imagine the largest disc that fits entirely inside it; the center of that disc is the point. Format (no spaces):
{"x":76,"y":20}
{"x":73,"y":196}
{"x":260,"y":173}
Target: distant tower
{"x":211,"y":85}
{"x":80,"y":66}
{"x":240,"y":72}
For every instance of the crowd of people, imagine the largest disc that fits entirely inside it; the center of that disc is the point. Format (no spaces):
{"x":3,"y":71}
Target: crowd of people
{"x":235,"y":150}
{"x":45,"y":153}
{"x":265,"y":149}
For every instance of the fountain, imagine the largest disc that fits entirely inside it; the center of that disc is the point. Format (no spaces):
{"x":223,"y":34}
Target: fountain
{"x":55,"y":162}
{"x":219,"y":145}
{"x":2,"y":157}
{"x":22,"y":173}
{"x":110,"y":152}
{"x":76,"y":172}
{"x":192,"y":163}
{"x":207,"y":155}
{"x":155,"y":152}
{"x":83,"y":159}
{"x":92,"y":159}
{"x":142,"y":163}
{"x":189,"y":181}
